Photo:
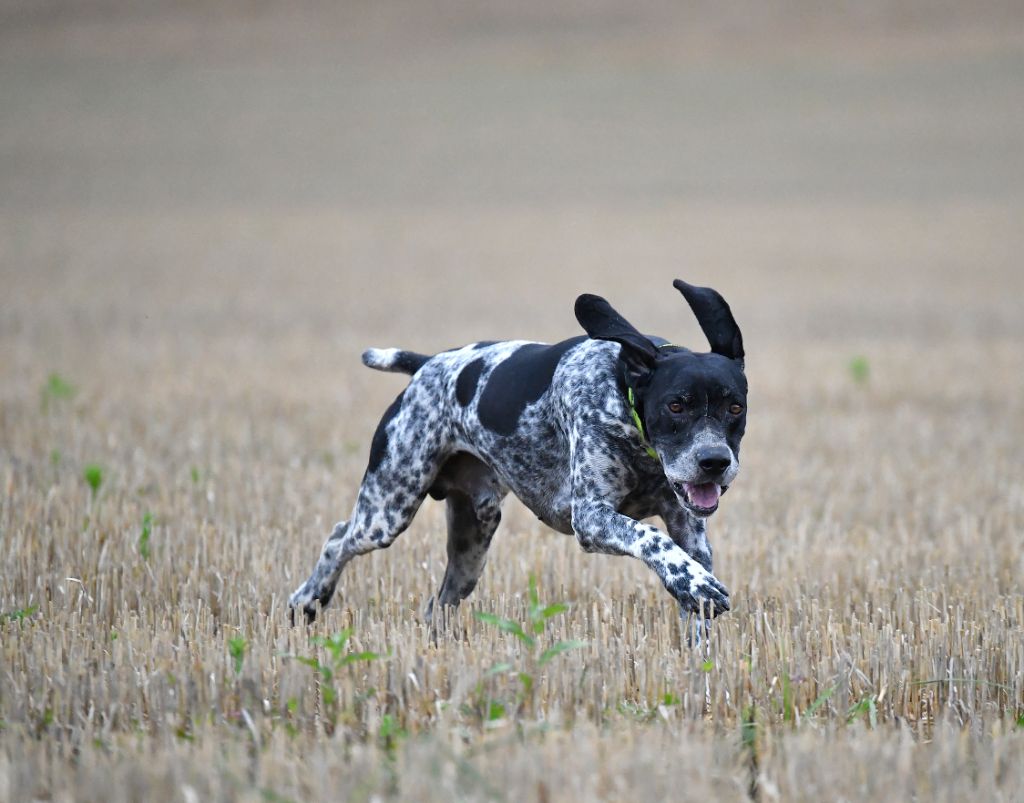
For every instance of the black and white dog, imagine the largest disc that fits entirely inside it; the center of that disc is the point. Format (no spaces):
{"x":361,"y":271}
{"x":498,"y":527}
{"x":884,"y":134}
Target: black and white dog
{"x":592,"y":434}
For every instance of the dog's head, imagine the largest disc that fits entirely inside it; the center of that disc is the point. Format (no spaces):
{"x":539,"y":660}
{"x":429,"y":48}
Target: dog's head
{"x":693,"y":406}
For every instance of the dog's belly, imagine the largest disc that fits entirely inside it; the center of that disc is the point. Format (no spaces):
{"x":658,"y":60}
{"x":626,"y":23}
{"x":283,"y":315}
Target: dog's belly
{"x":556,"y":515}
{"x":556,"y":511}
{"x":536,"y":471}
{"x":549,"y":498}
{"x":561,"y":522}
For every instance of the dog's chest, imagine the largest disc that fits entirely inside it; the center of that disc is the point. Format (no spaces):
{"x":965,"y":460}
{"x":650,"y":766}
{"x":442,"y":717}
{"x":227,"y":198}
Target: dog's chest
{"x":554,"y":507}
{"x":536,"y":470}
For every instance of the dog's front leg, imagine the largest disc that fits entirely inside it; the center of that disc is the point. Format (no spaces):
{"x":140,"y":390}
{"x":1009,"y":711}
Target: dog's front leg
{"x":687,"y":531}
{"x":690,"y":533}
{"x":599,"y":528}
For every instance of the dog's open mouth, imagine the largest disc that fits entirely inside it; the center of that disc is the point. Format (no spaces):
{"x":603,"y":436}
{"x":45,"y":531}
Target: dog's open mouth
{"x":702,"y":498}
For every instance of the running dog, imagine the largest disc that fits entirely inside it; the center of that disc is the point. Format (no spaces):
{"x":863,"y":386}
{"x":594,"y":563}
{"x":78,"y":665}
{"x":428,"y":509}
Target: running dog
{"x":593,"y":434}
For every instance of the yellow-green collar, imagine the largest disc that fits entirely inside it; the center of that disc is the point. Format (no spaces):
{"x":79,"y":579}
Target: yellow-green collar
{"x":631,"y":398}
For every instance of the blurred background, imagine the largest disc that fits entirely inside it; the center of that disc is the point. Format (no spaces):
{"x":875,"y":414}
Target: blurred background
{"x":207,"y":210}
{"x":429,"y":172}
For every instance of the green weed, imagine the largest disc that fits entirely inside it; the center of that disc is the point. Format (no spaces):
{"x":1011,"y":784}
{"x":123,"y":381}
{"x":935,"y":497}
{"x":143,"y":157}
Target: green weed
{"x":147,"y":529}
{"x":819,"y":701}
{"x":867,"y":705}
{"x":21,"y":614}
{"x":788,"y":710}
{"x":389,"y":734}
{"x":538,"y":617}
{"x":338,"y":659}
{"x":236,"y":649}
{"x":93,"y":475}
{"x":56,"y":389}
{"x":860,"y":369}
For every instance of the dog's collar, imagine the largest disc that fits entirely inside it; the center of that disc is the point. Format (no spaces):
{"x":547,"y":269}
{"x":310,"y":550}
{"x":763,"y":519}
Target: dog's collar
{"x":631,"y":398}
{"x":635,"y":415}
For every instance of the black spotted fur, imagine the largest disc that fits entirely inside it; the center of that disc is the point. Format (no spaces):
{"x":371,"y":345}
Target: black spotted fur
{"x":551,"y":424}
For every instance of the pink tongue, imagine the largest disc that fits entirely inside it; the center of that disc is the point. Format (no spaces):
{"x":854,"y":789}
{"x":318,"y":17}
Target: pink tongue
{"x":703,"y":495}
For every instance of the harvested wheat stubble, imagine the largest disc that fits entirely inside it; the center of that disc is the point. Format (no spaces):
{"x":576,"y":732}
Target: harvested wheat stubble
{"x":209,"y":210}
{"x":875,"y":641}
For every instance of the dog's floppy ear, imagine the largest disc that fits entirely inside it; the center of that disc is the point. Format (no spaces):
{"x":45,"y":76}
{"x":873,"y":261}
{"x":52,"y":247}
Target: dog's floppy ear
{"x":715,"y":318}
{"x":602,"y":322}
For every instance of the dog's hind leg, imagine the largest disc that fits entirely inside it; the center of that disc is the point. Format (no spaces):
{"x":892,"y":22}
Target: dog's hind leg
{"x":474,"y":496}
{"x":408,"y":449}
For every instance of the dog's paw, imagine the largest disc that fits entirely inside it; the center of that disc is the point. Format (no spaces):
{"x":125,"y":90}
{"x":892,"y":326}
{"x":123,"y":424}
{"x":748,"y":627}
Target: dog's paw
{"x":696,"y":585}
{"x":306,"y":600}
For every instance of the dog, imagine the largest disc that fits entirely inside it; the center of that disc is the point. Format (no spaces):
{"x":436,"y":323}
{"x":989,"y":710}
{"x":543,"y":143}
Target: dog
{"x":593,"y":434}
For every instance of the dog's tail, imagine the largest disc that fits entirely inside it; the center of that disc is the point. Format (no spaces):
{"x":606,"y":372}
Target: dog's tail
{"x":395,"y":360}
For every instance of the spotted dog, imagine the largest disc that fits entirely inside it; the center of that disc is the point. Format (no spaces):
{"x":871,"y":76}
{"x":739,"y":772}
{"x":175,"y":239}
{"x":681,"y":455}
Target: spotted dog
{"x":593,"y":434}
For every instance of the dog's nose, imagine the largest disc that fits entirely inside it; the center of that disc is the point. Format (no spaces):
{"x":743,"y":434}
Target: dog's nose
{"x":714,"y":460}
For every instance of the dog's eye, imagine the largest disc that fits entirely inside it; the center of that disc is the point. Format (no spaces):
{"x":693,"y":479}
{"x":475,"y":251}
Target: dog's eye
{"x":736,"y":409}
{"x":675,"y":406}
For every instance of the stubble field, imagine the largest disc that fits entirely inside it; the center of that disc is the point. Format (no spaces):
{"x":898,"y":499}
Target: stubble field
{"x":207,"y":214}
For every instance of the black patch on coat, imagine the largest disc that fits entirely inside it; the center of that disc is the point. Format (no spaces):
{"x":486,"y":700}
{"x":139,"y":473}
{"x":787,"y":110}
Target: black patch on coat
{"x":469,"y":378}
{"x":483,"y":344}
{"x":520,"y":379}
{"x":379,"y":444}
